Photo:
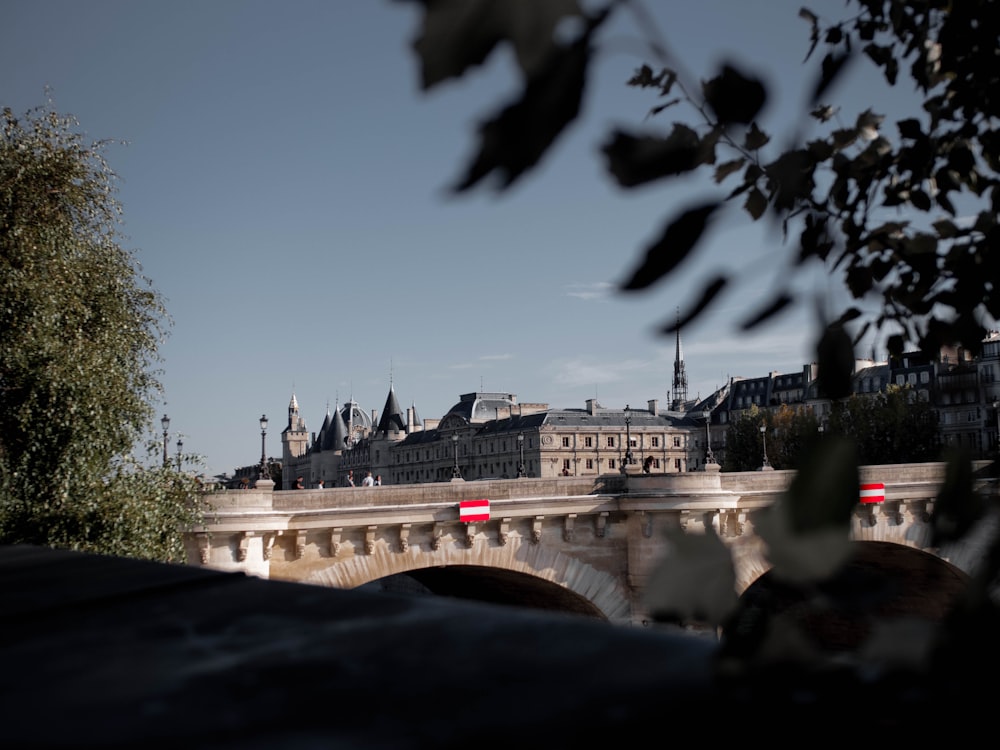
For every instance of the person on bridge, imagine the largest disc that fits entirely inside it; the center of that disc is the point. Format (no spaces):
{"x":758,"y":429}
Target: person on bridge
{"x":368,"y":481}
{"x":298,"y":483}
{"x":378,"y":480}
{"x":349,"y":479}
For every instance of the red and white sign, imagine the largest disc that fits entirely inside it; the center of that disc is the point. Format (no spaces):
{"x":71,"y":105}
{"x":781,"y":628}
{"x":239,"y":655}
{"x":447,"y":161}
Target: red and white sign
{"x":474,"y":510}
{"x":873,"y":493}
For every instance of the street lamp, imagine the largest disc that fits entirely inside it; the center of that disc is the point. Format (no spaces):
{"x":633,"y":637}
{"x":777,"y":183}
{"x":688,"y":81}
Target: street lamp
{"x":763,"y":436}
{"x":628,"y":438}
{"x":263,"y":473}
{"x":709,"y":458}
{"x":165,"y":424}
{"x":180,"y":447}
{"x":455,"y":473}
{"x":520,"y":450}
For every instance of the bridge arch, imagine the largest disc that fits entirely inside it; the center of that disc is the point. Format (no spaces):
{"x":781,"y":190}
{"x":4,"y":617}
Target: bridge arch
{"x":882,"y":580}
{"x":592,"y":589}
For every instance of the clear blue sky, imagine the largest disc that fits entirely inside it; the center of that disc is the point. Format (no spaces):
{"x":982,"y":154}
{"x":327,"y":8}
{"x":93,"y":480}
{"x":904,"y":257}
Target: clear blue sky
{"x":283,"y":186}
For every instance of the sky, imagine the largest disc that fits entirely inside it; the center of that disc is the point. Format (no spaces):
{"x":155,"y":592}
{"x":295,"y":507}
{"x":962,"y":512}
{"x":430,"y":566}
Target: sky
{"x":284,"y":183}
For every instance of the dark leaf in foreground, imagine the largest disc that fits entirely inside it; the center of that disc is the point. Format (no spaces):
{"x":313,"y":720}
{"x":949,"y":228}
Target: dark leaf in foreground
{"x":710,"y":291}
{"x":636,"y":160}
{"x":515,"y":140}
{"x":775,"y":306}
{"x":695,"y":580}
{"x":457,"y":36}
{"x":833,"y":67}
{"x":807,"y":531}
{"x":735,"y":97}
{"x":679,"y":239}
{"x":835,"y":360}
{"x":958,"y":506}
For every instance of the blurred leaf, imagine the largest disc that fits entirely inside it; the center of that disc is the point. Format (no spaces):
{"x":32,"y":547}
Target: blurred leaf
{"x":679,"y":239}
{"x":825,"y":491}
{"x":694,"y":581}
{"x":459,"y":34}
{"x":710,"y":291}
{"x":637,"y":160}
{"x":735,"y":97}
{"x":958,"y":506}
{"x":835,"y":362}
{"x":807,"y":530}
{"x":516,"y":139}
{"x":724,"y":170}
{"x":776,"y":305}
{"x":833,"y":67}
{"x":755,"y":204}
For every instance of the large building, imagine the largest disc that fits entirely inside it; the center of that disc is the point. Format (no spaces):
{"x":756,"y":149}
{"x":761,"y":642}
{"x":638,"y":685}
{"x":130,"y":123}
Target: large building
{"x":488,"y":435}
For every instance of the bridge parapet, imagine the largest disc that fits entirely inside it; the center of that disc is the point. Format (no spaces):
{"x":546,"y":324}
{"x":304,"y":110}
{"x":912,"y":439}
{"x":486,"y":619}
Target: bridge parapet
{"x":608,"y":529}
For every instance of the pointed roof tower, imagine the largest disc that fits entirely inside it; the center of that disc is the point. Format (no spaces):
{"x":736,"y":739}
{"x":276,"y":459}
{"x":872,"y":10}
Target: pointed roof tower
{"x":323,"y":440}
{"x":393,"y":419}
{"x":680,"y":389}
{"x":338,"y":432}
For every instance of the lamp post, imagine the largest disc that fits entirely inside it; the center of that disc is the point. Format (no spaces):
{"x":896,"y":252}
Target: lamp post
{"x":709,"y":458}
{"x":165,"y":424}
{"x":180,"y":447}
{"x":263,"y":473}
{"x":455,"y":473}
{"x":520,"y":451}
{"x":763,"y":436}
{"x":628,"y":438}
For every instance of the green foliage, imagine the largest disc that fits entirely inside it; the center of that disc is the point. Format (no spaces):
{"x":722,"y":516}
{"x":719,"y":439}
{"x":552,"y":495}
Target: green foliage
{"x":79,"y":331}
{"x":888,"y":428}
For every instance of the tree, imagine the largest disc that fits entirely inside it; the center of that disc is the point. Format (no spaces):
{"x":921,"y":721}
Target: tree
{"x":79,"y":331}
{"x":890,"y":427}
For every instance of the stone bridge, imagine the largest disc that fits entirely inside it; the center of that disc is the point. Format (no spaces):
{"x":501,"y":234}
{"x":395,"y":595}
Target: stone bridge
{"x":578,"y":545}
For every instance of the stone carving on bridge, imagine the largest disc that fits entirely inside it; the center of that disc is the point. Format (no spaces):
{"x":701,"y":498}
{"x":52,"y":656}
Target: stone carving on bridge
{"x":436,"y":537}
{"x":504,"y":532}
{"x":370,"y":539}
{"x":243,"y":546}
{"x":568,"y":532}
{"x":601,"y":524}
{"x":404,"y":537}
{"x":731,"y":522}
{"x":892,"y":509}
{"x":204,"y":548}
{"x":269,"y":543}
{"x":470,"y":534}
{"x":335,"y":535}
{"x":300,"y":544}
{"x":536,"y":529}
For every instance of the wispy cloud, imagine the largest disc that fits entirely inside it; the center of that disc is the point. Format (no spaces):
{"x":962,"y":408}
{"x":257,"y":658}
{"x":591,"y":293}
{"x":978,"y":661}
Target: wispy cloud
{"x":574,"y":373}
{"x":597,"y":291}
{"x":492,"y":357}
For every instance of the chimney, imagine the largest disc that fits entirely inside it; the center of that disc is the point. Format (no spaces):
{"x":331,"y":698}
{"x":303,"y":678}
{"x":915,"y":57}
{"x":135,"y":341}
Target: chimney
{"x":591,"y":406}
{"x":654,"y":407}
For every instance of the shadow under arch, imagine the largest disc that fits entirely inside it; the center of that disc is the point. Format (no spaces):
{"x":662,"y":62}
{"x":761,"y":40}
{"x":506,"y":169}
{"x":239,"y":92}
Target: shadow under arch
{"x":881,"y":581}
{"x":492,"y":585}
{"x":539,"y":577}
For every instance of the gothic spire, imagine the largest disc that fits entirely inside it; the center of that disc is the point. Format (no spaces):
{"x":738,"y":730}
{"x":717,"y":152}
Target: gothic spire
{"x":680,"y":388}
